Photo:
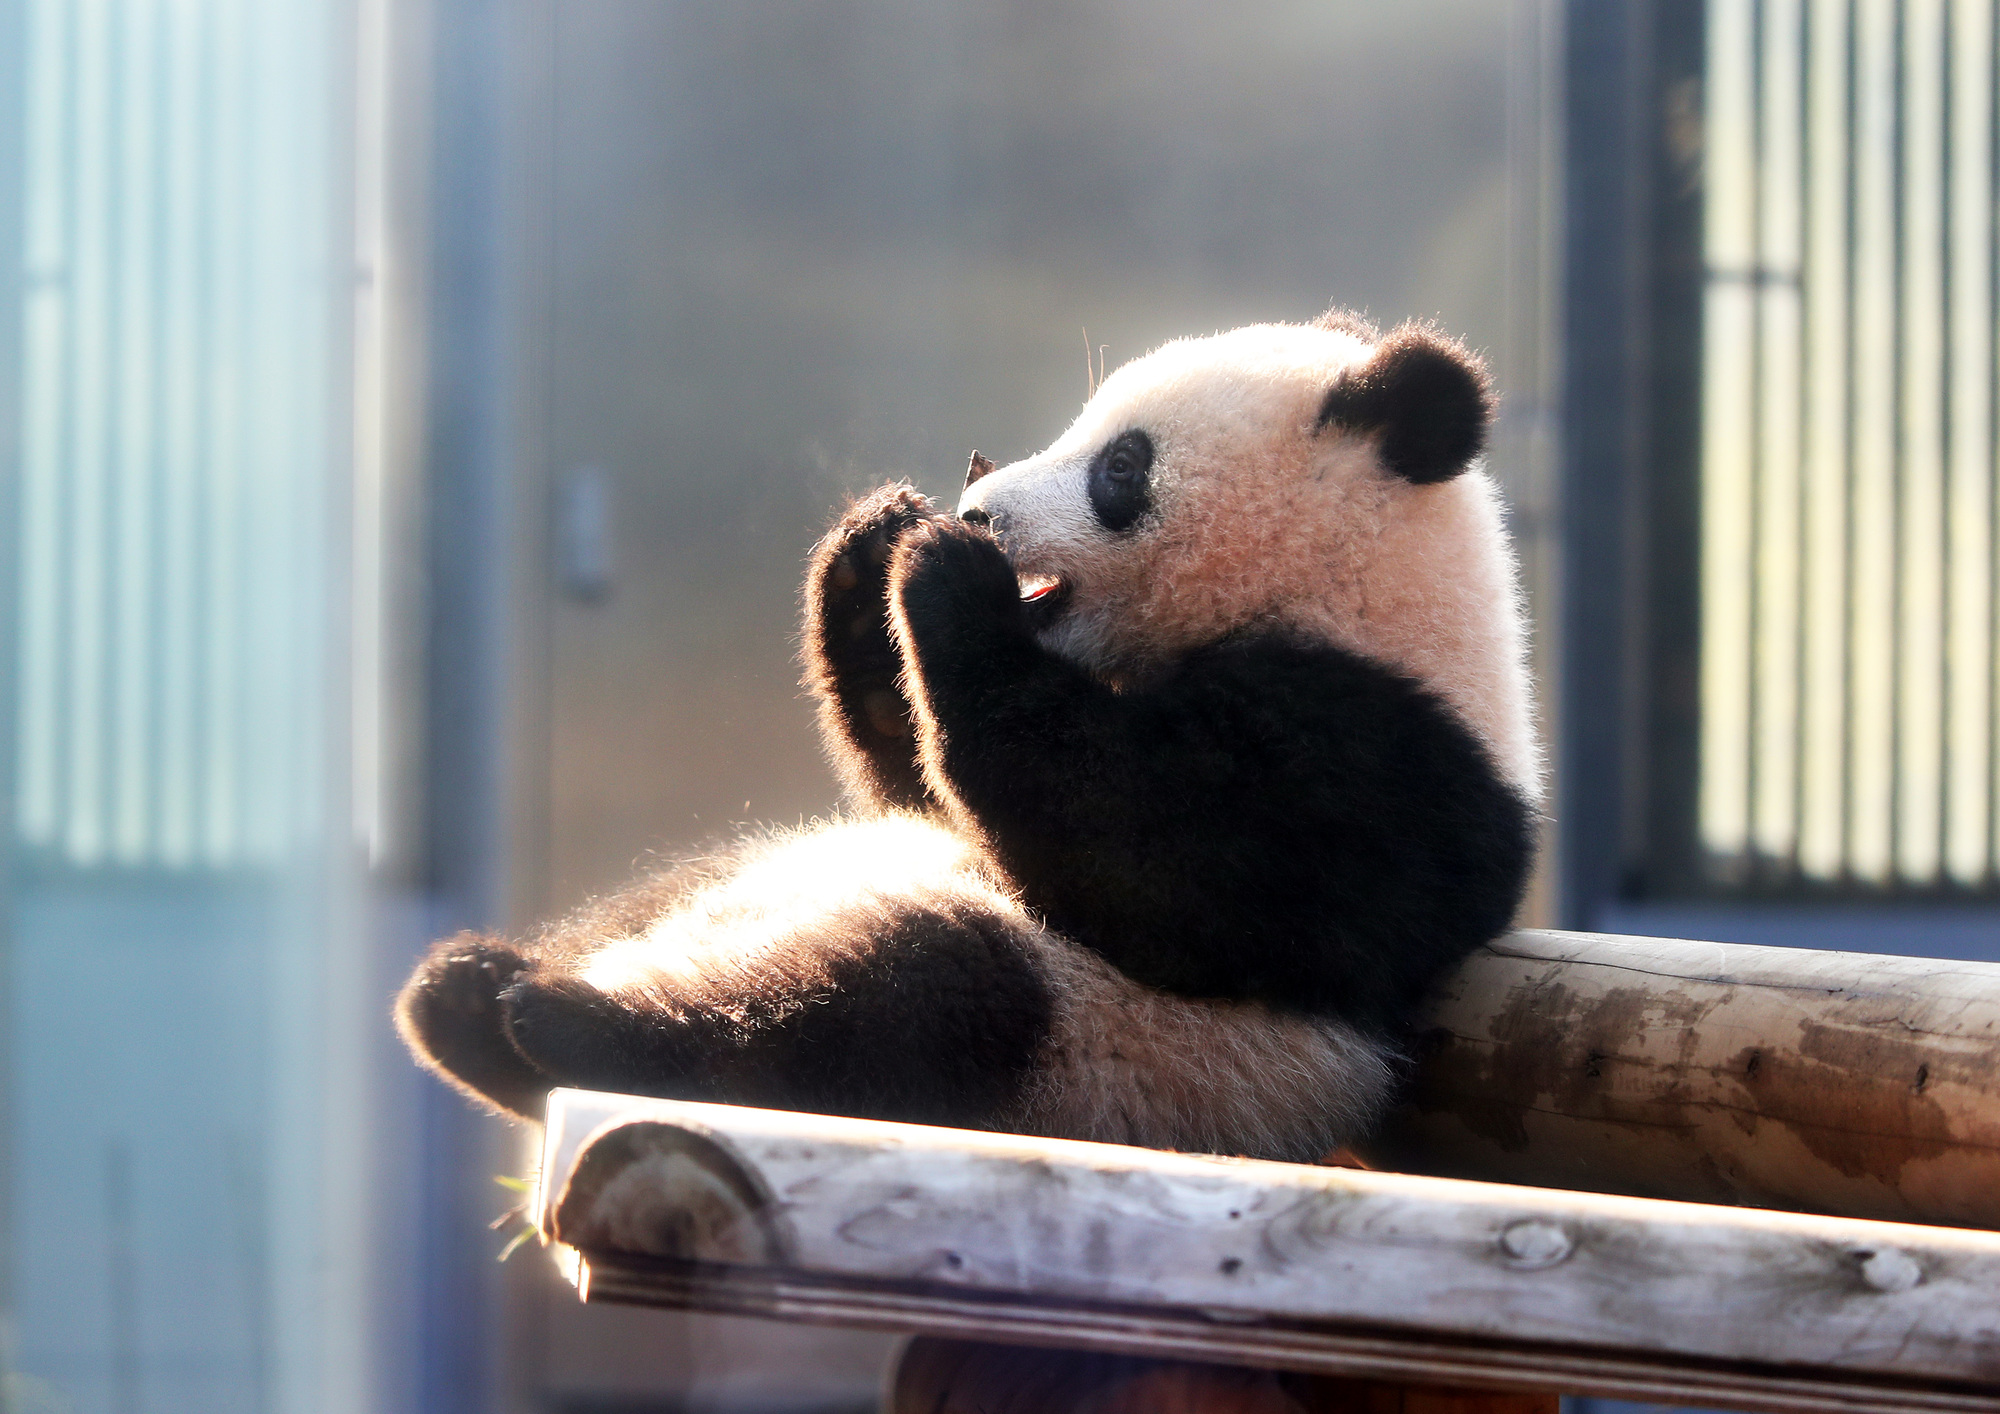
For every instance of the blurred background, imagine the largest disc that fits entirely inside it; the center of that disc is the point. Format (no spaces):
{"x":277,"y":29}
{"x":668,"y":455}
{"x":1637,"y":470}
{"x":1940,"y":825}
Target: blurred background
{"x":414,"y":415}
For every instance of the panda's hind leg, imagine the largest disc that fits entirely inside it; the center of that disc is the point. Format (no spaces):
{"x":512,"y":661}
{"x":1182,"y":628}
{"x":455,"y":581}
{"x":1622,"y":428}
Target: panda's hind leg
{"x":922,"y":1008}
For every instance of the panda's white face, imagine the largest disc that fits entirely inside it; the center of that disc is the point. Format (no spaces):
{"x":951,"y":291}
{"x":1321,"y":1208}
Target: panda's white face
{"x":1188,"y":471}
{"x":1199,"y":494}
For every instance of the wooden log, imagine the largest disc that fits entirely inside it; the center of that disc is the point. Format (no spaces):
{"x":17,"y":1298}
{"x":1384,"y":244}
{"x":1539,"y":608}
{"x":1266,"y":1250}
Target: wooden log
{"x":1835,"y":1082}
{"x":1332,"y":1271}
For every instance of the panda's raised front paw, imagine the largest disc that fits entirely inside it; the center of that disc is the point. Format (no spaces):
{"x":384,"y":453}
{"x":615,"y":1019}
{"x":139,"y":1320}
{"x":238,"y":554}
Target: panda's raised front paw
{"x":847,"y":582}
{"x":851,"y":660}
{"x":951,"y":585}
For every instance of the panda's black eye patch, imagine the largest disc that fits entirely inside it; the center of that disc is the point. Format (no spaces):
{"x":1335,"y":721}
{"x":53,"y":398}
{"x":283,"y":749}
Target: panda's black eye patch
{"x":1121,"y":480}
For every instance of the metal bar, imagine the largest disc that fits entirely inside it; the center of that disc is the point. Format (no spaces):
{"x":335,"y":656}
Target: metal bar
{"x":1824,"y":475}
{"x":1728,"y":411}
{"x":1872,"y":546}
{"x":1969,"y":550}
{"x":1920,"y":596}
{"x":1780,"y":394}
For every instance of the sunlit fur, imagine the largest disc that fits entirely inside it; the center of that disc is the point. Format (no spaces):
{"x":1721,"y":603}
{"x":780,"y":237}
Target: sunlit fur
{"x":723,"y":936}
{"x":1122,"y":1063}
{"x":1263,"y":518}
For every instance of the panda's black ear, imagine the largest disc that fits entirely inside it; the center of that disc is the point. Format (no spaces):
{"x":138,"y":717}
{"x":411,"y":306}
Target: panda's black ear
{"x":1429,"y":397}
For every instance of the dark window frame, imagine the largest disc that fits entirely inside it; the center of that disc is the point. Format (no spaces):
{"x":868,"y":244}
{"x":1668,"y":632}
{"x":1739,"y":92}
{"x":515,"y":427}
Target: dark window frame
{"x":1631,"y":625}
{"x":1631,"y":383}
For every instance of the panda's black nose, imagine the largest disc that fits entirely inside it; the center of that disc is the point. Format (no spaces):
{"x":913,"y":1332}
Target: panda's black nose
{"x":977,"y":517}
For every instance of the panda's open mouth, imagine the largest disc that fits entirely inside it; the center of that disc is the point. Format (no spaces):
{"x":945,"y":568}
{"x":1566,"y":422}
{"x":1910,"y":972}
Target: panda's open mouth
{"x":1044,"y":596}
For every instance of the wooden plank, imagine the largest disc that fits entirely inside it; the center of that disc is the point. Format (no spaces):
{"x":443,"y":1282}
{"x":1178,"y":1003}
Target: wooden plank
{"x":1836,"y":1082}
{"x":1157,"y":1333}
{"x":1331,"y":1270}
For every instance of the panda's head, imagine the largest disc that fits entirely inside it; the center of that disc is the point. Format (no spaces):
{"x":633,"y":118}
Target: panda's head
{"x":1318,"y":478}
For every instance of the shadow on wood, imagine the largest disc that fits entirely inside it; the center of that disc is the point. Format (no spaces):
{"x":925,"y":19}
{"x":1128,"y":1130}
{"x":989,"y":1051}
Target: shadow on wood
{"x":937,"y":1376}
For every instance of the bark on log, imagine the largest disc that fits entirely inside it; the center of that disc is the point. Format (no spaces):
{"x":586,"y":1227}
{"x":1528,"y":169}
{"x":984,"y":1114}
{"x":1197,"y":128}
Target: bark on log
{"x":1831,"y":1082}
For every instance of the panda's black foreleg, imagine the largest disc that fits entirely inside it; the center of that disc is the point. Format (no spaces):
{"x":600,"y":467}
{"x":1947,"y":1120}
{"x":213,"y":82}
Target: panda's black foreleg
{"x":852,"y":666}
{"x":1271,"y":819}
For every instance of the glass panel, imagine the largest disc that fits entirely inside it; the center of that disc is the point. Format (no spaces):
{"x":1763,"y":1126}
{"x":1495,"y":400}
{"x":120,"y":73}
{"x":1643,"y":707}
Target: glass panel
{"x":1848,"y":546}
{"x":181,"y":917}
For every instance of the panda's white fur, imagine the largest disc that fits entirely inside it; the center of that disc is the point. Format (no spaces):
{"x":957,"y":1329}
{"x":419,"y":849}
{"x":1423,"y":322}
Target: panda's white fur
{"x":1122,"y":1063}
{"x":1264,"y":517}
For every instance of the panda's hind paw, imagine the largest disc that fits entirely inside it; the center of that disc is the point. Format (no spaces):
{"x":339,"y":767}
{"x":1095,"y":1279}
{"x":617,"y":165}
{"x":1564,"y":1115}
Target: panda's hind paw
{"x":450,"y":1014}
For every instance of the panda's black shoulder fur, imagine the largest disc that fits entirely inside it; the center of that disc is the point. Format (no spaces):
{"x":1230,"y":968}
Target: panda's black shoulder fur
{"x":1311,"y":830}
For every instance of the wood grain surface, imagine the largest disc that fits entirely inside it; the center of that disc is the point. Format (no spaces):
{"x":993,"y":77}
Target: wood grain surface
{"x":1332,"y":1270}
{"x":1833,"y":1082}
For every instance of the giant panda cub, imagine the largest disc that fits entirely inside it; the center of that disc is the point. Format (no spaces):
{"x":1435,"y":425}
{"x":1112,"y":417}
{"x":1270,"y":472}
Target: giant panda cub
{"x":1183,"y":758}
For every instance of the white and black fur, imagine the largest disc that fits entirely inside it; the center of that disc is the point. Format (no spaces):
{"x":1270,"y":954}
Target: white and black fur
{"x":1184,"y":759}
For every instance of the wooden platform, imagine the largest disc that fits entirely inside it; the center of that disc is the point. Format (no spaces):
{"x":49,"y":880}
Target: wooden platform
{"x":1338,"y":1271}
{"x":1653,"y":1071}
{"x":1717,"y":1072}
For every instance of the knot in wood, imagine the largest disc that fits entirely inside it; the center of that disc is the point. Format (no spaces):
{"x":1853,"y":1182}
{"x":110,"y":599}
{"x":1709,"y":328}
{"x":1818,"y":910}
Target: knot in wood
{"x":1533,"y":1243}
{"x":1886,"y":1269}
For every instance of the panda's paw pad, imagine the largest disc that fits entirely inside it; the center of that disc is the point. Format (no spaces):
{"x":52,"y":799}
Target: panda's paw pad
{"x":847,"y":585}
{"x":888,"y":713}
{"x":461,"y":980}
{"x":853,"y":559}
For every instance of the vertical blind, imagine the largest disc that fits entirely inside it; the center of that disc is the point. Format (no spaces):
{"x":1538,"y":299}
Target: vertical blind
{"x":1848,"y":552}
{"x":179,"y":366}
